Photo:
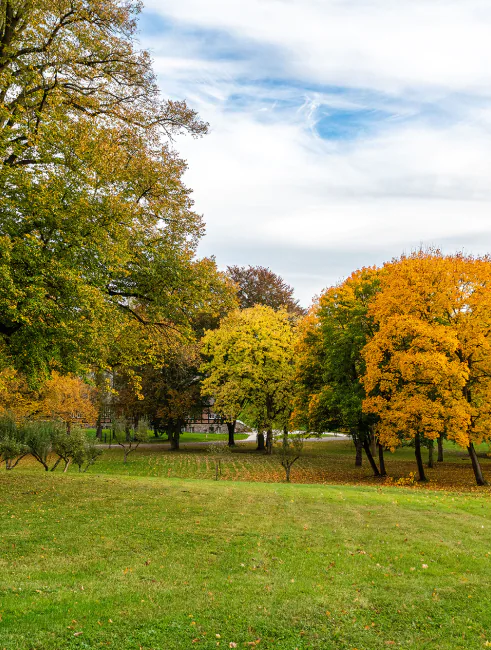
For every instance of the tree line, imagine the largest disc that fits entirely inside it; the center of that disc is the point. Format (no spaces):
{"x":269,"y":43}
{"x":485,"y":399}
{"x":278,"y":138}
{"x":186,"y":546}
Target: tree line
{"x":401,"y":355}
{"x":101,"y":285}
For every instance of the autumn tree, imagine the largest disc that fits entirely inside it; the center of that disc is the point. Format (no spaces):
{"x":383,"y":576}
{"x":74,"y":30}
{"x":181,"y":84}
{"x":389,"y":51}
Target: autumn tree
{"x":249,"y":363}
{"x":329,"y":363}
{"x":97,"y":227}
{"x":258,"y":285}
{"x":66,"y":398}
{"x":428,"y":368}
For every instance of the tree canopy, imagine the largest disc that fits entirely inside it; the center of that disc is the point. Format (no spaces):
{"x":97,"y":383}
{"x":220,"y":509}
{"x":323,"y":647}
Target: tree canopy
{"x":258,"y":285}
{"x":97,"y":226}
{"x":250,"y":364}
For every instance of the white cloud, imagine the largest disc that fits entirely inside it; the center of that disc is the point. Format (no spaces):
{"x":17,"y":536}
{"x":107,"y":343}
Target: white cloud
{"x":382,"y":44}
{"x":273,"y":192}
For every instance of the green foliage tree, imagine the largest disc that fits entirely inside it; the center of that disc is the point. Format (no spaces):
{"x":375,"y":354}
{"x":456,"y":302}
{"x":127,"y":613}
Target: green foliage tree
{"x":39,"y":436}
{"x":70,"y":447}
{"x":330,"y":364}
{"x":12,"y":444}
{"x":129,"y":438}
{"x":97,"y":233}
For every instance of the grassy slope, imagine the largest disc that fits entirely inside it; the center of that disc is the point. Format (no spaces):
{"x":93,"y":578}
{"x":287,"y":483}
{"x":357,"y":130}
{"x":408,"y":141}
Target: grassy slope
{"x":156,"y":563}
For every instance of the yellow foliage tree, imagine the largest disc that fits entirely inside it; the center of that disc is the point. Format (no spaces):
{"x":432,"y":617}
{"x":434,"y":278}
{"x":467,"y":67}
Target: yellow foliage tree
{"x":66,"y":398}
{"x":15,"y":396}
{"x":250,"y":362}
{"x":428,"y":367}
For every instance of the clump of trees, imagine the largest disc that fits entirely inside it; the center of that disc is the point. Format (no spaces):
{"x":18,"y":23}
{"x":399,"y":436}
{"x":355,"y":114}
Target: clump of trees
{"x":44,"y":441}
{"x":402,"y":355}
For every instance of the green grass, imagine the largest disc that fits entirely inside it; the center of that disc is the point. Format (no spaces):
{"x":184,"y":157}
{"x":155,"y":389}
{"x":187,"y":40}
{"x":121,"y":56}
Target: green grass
{"x":160,"y":564}
{"x":185,"y":437}
{"x":326,"y":462}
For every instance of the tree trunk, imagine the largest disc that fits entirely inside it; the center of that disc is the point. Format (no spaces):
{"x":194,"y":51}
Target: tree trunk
{"x":440,"y":449}
{"x":56,"y":464}
{"x":368,"y":452}
{"x":359,"y":452}
{"x":98,"y":428}
{"x":431,"y":446}
{"x":476,"y":466}
{"x":174,"y":435}
{"x":68,"y":427}
{"x":287,"y":471}
{"x":127,"y":431}
{"x":231,"y":433}
{"x":260,"y":441}
{"x":373,"y":442}
{"x":419,"y":459}
{"x":67,"y":462}
{"x":381,"y":460}
{"x":269,"y":441}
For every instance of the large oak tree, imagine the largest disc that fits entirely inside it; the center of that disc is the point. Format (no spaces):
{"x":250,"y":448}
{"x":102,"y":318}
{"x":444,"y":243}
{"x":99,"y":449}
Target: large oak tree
{"x":97,"y":228}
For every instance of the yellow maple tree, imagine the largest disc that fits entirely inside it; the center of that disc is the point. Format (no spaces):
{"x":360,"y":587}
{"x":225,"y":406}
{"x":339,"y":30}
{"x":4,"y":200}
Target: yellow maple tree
{"x":428,"y":367}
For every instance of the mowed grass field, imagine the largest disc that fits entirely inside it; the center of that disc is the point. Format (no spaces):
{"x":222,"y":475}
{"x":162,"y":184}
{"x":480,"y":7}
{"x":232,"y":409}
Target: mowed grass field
{"x":154,"y":555}
{"x":152,"y":563}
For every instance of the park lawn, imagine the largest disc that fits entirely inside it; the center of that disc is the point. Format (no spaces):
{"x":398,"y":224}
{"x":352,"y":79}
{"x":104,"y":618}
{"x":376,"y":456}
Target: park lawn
{"x":187,"y":436}
{"x":329,"y":462}
{"x":151,"y":563}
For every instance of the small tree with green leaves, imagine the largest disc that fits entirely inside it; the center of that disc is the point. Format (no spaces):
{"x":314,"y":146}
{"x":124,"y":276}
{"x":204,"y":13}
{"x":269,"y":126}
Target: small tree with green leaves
{"x":73,"y":448}
{"x":12,"y":446}
{"x":289,"y":448}
{"x":86,"y":455}
{"x":39,"y":436}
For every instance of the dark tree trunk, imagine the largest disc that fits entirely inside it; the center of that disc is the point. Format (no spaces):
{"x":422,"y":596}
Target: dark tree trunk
{"x":368,"y":452}
{"x":174,"y":435}
{"x":373,"y":443}
{"x":476,"y":466}
{"x":56,"y":464}
{"x":127,"y":432}
{"x":98,"y":428}
{"x":431,"y":446}
{"x":359,"y":452}
{"x":288,"y":469}
{"x":440,"y":449}
{"x":231,"y":433}
{"x":419,"y":459}
{"x":381,"y":460}
{"x":68,"y":427}
{"x":269,"y":441}
{"x":260,"y":441}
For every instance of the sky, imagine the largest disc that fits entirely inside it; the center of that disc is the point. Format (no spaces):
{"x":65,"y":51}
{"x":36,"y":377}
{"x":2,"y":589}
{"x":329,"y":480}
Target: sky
{"x":342,"y":132}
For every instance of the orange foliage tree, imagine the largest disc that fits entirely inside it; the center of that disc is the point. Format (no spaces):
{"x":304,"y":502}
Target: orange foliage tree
{"x":428,"y":367}
{"x":66,"y":398}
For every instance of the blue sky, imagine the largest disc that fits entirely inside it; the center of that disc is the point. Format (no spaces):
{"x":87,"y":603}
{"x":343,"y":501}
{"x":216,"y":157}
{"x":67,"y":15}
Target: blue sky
{"x":343,"y":132}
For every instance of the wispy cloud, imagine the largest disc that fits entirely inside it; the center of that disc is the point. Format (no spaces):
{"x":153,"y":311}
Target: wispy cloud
{"x":343,"y":132}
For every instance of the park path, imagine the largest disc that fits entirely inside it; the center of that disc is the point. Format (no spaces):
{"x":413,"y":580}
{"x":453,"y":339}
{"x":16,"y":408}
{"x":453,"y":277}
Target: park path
{"x":250,"y":438}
